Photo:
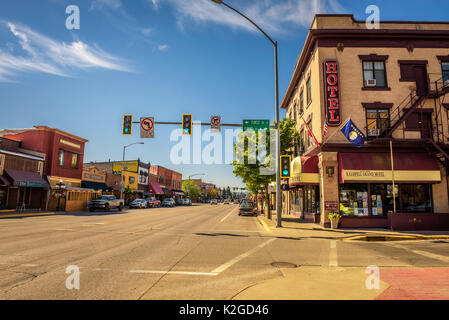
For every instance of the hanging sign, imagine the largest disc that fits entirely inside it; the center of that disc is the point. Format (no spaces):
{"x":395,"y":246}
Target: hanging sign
{"x":332,"y":93}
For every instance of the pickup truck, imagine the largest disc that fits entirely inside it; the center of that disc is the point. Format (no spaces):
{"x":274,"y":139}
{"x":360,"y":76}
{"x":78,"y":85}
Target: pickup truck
{"x":106,"y":203}
{"x":153,"y":202}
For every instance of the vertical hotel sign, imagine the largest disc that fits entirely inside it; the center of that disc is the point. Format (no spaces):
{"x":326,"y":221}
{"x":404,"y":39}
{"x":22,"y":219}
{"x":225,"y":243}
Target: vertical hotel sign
{"x":332,"y":93}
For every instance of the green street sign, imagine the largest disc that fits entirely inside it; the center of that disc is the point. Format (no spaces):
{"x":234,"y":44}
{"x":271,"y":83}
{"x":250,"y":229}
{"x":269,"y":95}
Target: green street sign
{"x":256,"y":125}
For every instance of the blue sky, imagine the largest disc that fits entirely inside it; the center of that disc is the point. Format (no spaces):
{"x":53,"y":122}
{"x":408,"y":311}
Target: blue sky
{"x":156,"y":58}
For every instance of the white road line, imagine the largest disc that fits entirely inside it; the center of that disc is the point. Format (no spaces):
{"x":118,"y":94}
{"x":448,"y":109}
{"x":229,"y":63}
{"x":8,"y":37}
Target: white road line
{"x":228,"y":264}
{"x":227,"y":215}
{"x":422,"y":253}
{"x":30,"y":265}
{"x":333,"y":260}
{"x":192,"y":273}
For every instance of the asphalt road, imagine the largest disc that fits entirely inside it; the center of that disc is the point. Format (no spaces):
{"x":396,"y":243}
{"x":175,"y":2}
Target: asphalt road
{"x":198,"y":252}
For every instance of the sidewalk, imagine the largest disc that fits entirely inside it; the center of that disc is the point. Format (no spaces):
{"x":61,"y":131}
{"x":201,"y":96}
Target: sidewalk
{"x":294,"y":227}
{"x":346,"y":283}
{"x":26,"y":213}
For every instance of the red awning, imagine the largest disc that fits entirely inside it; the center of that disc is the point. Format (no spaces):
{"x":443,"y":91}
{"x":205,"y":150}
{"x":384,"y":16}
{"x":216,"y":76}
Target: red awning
{"x":372,"y":167}
{"x":155,"y":188}
{"x":26,"y":179}
{"x":305,"y":171}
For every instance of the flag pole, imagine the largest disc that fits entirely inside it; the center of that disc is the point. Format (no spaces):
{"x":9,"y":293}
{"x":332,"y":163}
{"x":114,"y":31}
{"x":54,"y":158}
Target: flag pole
{"x":392,"y":173}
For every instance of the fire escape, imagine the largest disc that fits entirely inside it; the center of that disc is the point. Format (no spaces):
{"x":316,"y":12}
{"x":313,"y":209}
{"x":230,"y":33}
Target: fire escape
{"x":436,"y":142}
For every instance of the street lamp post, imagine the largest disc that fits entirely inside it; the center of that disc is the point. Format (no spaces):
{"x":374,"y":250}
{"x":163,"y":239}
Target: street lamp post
{"x":122,"y":183}
{"x":278,"y":140}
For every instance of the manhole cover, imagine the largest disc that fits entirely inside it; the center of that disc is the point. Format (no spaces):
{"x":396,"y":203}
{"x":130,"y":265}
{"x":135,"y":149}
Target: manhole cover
{"x":284,"y":265}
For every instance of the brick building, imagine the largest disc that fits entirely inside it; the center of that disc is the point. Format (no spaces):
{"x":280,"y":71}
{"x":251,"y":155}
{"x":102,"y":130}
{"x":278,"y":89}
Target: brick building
{"x":170,"y":181}
{"x":392,"y":83}
{"x":21,"y":182}
{"x":64,"y":153}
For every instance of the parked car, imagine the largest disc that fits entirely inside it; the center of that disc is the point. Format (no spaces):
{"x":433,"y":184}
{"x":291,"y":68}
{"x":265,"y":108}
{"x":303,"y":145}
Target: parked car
{"x":106,"y":203}
{"x":207,"y":201}
{"x":214,"y":201}
{"x":153,"y":202}
{"x":236,"y":201}
{"x":169,"y":202}
{"x":138,"y":203}
{"x":187,"y":202}
{"x":179,"y":202}
{"x":227,"y":201}
{"x":247,"y":207}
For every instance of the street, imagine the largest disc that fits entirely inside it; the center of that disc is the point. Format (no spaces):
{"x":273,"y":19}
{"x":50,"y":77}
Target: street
{"x":198,"y":252}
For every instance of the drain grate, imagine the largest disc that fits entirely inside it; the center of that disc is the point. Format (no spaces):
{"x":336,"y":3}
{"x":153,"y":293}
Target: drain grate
{"x":284,"y":265}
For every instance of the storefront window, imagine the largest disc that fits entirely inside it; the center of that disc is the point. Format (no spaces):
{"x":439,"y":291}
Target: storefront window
{"x":3,"y":198}
{"x":310,"y":193}
{"x":416,"y":198}
{"x":354,"y":200}
{"x":382,"y":199}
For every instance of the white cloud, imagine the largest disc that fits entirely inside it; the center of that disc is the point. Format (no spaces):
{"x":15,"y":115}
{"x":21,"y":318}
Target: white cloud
{"x":155,"y":3}
{"x":162,"y":47}
{"x":274,"y":16}
{"x":101,"y":4}
{"x":45,"y":55}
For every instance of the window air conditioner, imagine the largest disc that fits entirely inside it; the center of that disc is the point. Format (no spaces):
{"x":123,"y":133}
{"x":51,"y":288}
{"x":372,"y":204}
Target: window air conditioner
{"x":373,"y":132}
{"x":370,"y":83}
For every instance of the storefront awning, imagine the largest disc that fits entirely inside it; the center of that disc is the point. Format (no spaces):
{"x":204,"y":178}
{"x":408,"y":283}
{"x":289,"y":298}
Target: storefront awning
{"x":95,"y":185}
{"x":4,"y":181}
{"x":305,"y":171}
{"x":26,"y":179}
{"x":155,"y":188}
{"x":177,"y":192}
{"x":376,"y":167}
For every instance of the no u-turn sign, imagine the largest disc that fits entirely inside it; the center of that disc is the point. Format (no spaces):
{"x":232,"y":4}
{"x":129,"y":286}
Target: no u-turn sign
{"x":147,"y":127}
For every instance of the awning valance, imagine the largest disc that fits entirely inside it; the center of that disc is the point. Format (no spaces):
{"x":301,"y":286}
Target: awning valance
{"x":376,"y":167}
{"x":177,"y":192}
{"x":305,"y":171}
{"x":155,"y":188}
{"x":26,"y":179}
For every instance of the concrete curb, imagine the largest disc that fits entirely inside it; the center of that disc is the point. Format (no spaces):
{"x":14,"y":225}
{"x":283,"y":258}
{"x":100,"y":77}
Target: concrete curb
{"x":391,"y":237}
{"x":264,"y":224}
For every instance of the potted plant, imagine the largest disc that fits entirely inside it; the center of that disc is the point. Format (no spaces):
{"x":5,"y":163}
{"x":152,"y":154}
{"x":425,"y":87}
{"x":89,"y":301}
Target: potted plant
{"x":334,"y":217}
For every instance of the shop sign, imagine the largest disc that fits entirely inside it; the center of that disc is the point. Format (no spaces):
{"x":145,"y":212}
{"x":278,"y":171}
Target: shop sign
{"x":331,"y":205}
{"x":130,"y":166}
{"x":332,"y":93}
{"x":28,"y":184}
{"x":70,"y":144}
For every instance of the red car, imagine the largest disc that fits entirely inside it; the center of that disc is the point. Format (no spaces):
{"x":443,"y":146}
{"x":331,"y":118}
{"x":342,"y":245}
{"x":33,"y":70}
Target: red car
{"x":153,"y":203}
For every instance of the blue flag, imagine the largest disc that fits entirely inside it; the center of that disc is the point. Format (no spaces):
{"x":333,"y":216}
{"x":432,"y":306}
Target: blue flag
{"x":353,"y":134}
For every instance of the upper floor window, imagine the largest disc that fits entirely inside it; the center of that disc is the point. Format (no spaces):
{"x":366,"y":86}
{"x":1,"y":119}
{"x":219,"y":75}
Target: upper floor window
{"x":74,"y":161}
{"x":377,"y":120}
{"x":132,"y":180}
{"x":301,"y":102}
{"x":294,"y":111}
{"x":445,"y":68}
{"x":61,"y":158}
{"x":309,"y":91}
{"x":309,"y":139}
{"x":374,"y":74}
{"x":302,"y":147}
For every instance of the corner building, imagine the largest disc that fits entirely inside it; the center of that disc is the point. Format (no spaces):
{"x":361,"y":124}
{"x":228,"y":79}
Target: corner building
{"x":393,"y":83}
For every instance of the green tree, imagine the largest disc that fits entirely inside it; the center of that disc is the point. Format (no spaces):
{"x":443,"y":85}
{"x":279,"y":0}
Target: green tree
{"x":250,"y":173}
{"x":190,"y":185}
{"x":213,"y":194}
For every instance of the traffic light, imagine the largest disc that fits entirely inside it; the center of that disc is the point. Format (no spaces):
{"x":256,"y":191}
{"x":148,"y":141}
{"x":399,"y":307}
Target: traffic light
{"x":127,"y":124}
{"x":187,"y":124}
{"x":286,"y":166}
